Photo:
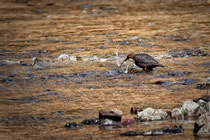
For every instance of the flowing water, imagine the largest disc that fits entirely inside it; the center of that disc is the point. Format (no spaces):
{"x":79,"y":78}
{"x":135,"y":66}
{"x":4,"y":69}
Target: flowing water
{"x":38,"y":98}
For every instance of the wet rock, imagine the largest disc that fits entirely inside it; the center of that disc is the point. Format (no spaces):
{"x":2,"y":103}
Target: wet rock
{"x":150,"y":114}
{"x":204,"y":105}
{"x":26,"y":100}
{"x":102,"y":47}
{"x":135,"y":110}
{"x":144,"y":45}
{"x":190,"y":108}
{"x":63,"y":57}
{"x":128,"y":122}
{"x":124,"y":42}
{"x":7,"y":80}
{"x":205,"y":98}
{"x":30,"y":76}
{"x":71,"y":125}
{"x":187,"y":53}
{"x":109,"y":122}
{"x":202,"y":125}
{"x":206,"y":64}
{"x":189,"y":81}
{"x":174,"y":129}
{"x":92,"y":121}
{"x":177,"y":113}
{"x":177,"y":73}
{"x":131,"y":133}
{"x":165,"y":83}
{"x":36,"y":61}
{"x":153,"y":132}
{"x":205,"y":85}
{"x":8,"y":62}
{"x":114,"y":114}
{"x":51,"y":94}
{"x":176,"y":38}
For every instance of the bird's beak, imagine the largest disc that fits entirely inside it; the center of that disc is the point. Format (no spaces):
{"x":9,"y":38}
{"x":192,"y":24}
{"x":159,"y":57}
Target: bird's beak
{"x":124,"y":61}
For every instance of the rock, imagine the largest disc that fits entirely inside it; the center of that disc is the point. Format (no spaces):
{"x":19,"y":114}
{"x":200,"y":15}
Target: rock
{"x":109,"y":122}
{"x":135,"y":110}
{"x":176,"y":38}
{"x":187,"y":53}
{"x":174,"y":130}
{"x":63,"y":57}
{"x":102,"y":47}
{"x":7,"y":80}
{"x":92,"y":121}
{"x":202,"y":126}
{"x":204,"y":107}
{"x":165,"y":83}
{"x":114,"y":114}
{"x":8,"y":62}
{"x":124,"y":43}
{"x":131,"y":133}
{"x":189,"y":81}
{"x":205,"y":85}
{"x":36,"y":61}
{"x":128,"y":122}
{"x":71,"y":124}
{"x":206,"y":98}
{"x":190,"y":108}
{"x":177,"y":73}
{"x":176,"y":113}
{"x":153,"y":132}
{"x":205,"y":64}
{"x":207,"y":81}
{"x":150,"y":114}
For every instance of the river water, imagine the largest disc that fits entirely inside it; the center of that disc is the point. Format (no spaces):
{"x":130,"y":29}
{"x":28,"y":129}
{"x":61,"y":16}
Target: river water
{"x":37,"y":99}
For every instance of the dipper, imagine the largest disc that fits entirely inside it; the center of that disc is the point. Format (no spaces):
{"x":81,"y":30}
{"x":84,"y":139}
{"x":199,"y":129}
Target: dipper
{"x":144,"y":61}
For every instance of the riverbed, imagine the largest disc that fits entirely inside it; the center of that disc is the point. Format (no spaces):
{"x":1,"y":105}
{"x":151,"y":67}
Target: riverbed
{"x":58,"y":63}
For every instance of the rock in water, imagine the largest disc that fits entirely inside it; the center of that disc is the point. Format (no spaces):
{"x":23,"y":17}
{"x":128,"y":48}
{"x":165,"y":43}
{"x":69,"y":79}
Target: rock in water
{"x":202,"y":126}
{"x":190,"y":108}
{"x":114,"y":114}
{"x":150,"y":114}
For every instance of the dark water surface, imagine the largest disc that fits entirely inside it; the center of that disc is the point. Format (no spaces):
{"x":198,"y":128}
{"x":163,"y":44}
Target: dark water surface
{"x":38,"y":97}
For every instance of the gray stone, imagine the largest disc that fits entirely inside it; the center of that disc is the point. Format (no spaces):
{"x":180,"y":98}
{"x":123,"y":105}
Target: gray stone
{"x":205,"y":121}
{"x":176,"y":113}
{"x":190,"y":108}
{"x":150,"y":114}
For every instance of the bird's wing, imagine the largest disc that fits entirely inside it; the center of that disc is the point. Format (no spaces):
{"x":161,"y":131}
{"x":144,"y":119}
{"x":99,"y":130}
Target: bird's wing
{"x":146,"y":59}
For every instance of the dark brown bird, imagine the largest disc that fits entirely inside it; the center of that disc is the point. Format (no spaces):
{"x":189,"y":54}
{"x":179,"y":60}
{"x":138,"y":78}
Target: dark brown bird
{"x":144,"y":61}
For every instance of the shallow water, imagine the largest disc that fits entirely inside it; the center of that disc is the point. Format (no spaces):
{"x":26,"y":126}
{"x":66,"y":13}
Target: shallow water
{"x":37,"y":100}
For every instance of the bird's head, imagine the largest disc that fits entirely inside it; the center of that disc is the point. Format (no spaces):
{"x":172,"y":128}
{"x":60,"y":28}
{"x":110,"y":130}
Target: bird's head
{"x":131,"y":55}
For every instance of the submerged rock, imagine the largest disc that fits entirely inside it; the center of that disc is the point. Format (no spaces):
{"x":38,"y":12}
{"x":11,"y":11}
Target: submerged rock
{"x":187,"y":53}
{"x":189,"y":81}
{"x":71,"y":124}
{"x":155,"y":132}
{"x":131,"y":133}
{"x":92,"y":121}
{"x":150,"y":114}
{"x":128,"y":122}
{"x":177,"y":73}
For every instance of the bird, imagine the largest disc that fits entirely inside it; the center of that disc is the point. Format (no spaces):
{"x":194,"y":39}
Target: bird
{"x":144,"y":61}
